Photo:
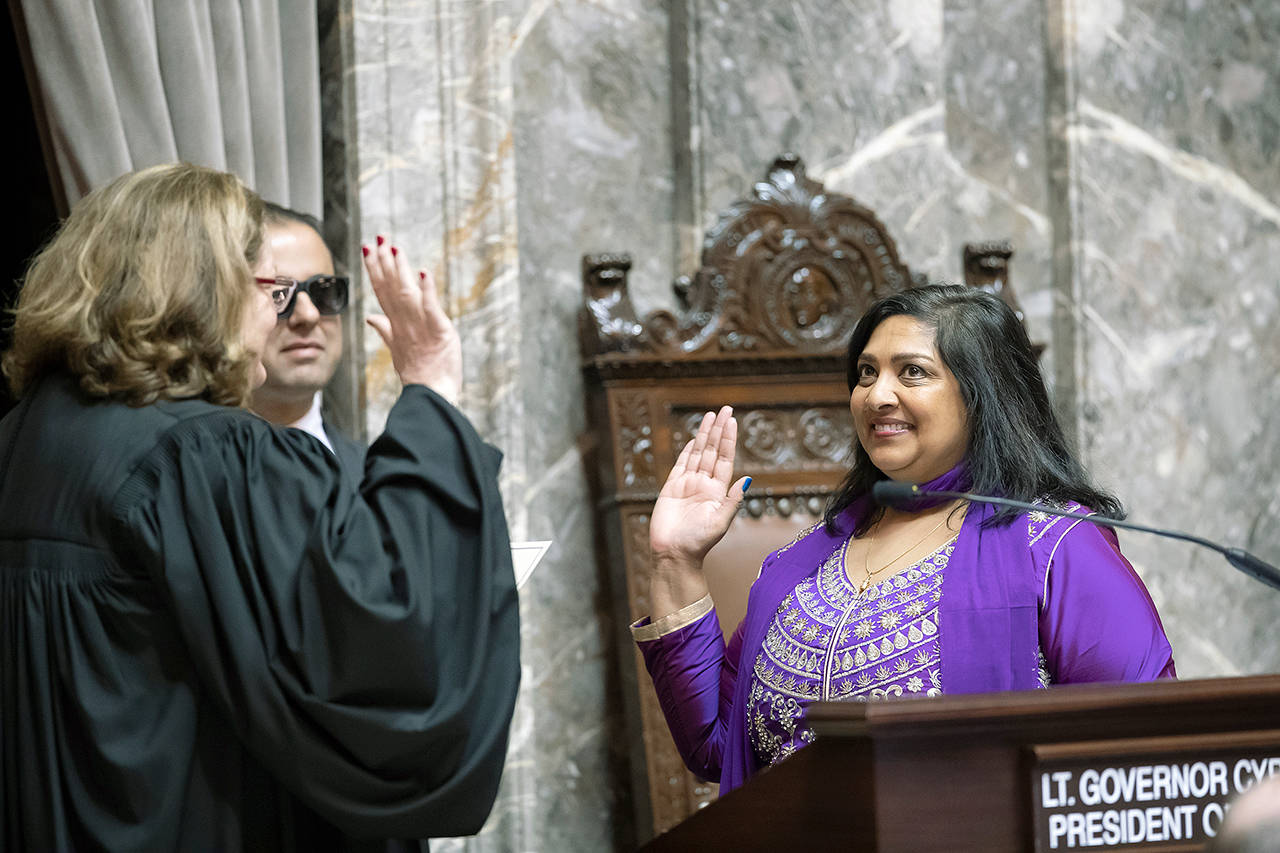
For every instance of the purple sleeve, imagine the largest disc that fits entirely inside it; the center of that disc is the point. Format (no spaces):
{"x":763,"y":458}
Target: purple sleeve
{"x":694,"y":676}
{"x":1098,"y":622}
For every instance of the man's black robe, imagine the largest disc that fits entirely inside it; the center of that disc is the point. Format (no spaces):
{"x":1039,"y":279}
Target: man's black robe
{"x":210,"y":640}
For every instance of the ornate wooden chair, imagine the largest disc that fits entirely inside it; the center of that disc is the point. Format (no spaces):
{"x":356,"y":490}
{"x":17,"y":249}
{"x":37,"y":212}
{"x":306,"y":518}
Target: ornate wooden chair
{"x":764,"y":324}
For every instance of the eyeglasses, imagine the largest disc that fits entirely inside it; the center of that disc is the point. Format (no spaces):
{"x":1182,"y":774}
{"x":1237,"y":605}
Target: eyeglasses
{"x":329,"y":293}
{"x":280,"y":290}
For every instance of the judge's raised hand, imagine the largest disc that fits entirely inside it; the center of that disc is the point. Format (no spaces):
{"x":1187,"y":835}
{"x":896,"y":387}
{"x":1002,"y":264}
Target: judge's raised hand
{"x":425,"y":348}
{"x":697,"y":503}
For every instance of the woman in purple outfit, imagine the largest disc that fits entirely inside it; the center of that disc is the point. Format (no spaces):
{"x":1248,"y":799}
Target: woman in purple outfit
{"x":939,"y":597}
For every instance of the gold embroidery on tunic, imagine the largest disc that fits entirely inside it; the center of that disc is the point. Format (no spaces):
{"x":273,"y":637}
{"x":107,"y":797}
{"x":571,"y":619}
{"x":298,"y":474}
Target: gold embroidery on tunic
{"x":819,"y":647}
{"x":828,"y":642}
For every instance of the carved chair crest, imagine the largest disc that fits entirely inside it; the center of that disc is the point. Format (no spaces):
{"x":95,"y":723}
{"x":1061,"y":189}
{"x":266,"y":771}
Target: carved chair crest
{"x":789,"y":269}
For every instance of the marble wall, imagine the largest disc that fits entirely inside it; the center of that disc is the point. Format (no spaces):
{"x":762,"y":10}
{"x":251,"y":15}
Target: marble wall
{"x":593,"y":162}
{"x":1128,"y":149}
{"x":1173,"y":157}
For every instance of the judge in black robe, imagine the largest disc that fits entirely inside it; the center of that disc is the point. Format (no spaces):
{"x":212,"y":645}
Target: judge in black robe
{"x":210,"y":639}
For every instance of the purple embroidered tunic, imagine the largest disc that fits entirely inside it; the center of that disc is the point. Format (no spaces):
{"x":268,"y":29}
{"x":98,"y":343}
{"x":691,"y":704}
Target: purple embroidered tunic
{"x":1040,"y":587}
{"x":829,"y":643}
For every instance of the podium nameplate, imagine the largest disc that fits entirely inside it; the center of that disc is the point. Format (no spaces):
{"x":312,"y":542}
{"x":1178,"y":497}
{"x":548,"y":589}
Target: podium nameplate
{"x":1162,"y":793}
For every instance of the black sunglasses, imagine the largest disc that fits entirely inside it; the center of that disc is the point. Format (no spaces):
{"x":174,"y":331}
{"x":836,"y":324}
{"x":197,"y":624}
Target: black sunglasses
{"x":329,"y":293}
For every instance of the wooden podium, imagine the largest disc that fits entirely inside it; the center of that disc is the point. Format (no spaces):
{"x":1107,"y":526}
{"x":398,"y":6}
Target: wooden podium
{"x":1124,"y":767}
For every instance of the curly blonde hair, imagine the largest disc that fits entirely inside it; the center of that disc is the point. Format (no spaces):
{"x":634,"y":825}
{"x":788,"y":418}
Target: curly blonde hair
{"x":141,"y":295}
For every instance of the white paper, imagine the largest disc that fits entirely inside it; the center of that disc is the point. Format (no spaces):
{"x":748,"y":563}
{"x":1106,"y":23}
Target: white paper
{"x":525,"y":556}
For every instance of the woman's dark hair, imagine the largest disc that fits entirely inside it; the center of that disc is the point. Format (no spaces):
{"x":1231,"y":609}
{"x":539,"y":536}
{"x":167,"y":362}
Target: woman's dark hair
{"x":1016,"y":447}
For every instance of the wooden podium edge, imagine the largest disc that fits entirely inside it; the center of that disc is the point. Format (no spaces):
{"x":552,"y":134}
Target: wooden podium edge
{"x":986,"y":712}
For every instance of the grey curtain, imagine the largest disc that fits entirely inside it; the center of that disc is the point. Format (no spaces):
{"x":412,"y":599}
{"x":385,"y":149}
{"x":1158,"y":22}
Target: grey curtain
{"x":232,"y":84}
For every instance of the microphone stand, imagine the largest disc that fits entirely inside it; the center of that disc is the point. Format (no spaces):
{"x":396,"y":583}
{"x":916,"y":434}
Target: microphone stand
{"x":886,"y":493}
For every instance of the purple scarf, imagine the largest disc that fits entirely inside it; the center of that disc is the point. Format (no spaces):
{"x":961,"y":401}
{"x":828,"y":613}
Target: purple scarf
{"x":988,"y":613}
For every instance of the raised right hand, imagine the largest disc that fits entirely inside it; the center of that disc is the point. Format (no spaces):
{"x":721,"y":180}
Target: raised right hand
{"x":425,"y":347}
{"x":697,"y":504}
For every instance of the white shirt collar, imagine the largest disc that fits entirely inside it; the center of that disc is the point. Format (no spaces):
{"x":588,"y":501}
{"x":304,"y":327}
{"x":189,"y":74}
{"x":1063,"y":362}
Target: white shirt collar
{"x":313,"y":423}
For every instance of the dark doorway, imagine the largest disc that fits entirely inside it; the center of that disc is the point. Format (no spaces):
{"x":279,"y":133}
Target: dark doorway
{"x":32,"y":214}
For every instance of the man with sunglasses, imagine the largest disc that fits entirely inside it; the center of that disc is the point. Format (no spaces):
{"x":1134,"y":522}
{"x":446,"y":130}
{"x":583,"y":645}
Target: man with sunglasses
{"x":303,"y":350}
{"x":300,"y":357}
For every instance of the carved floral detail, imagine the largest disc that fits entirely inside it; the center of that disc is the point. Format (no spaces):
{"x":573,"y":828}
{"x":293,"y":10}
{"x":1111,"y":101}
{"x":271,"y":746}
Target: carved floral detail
{"x":635,"y":441}
{"x":637,"y":534}
{"x":787,"y":505}
{"x":789,"y":269}
{"x":795,"y":439}
{"x":763,"y":436}
{"x":826,"y":434}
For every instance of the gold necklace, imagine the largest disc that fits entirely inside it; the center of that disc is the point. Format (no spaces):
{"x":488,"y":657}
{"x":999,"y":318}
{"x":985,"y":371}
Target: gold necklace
{"x":866,"y":561}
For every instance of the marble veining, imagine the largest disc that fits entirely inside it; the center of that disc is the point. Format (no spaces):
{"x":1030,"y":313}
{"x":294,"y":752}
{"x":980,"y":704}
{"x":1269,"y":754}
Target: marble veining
{"x":888,"y":142}
{"x":1113,"y":129}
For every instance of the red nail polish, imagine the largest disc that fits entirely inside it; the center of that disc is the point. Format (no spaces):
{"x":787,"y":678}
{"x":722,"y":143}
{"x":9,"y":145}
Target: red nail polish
{"x":422,"y":276}
{"x":364,"y":250}
{"x":394,"y":251}
{"x":380,"y":240}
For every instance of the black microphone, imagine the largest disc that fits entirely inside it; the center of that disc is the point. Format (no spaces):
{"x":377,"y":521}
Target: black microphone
{"x":894,"y":494}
